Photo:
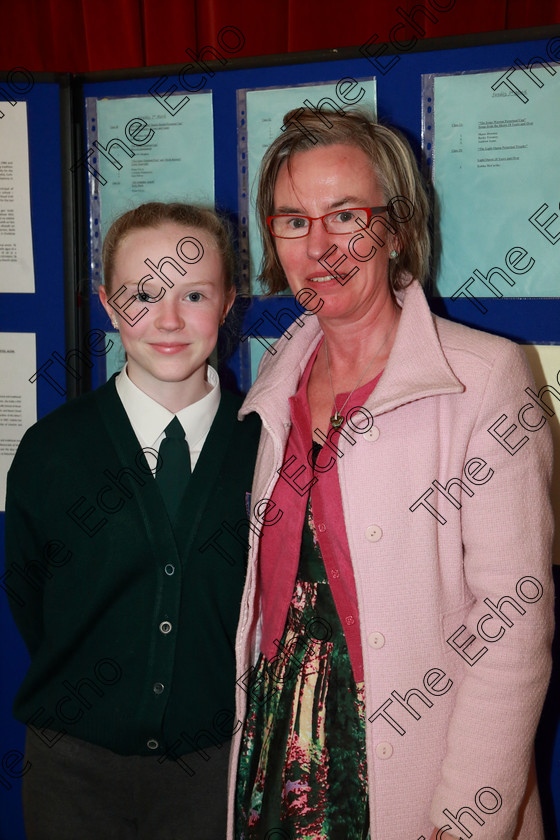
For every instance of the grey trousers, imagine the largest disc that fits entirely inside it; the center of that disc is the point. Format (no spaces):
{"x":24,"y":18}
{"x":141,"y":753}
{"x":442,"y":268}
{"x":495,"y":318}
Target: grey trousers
{"x":78,"y":791}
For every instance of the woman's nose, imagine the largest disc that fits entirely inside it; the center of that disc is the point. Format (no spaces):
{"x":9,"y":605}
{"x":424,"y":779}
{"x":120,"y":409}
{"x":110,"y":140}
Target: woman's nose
{"x":318,"y":240}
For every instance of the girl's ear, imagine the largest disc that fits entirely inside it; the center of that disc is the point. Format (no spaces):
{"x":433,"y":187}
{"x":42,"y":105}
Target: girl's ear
{"x":228,"y":303}
{"x":107,"y":307}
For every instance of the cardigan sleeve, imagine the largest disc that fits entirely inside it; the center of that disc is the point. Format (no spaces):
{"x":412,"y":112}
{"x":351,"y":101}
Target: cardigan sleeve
{"x":28,"y":556}
{"x":507,"y":535}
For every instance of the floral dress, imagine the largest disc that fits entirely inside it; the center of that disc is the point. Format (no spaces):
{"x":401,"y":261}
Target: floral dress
{"x":302,"y":767}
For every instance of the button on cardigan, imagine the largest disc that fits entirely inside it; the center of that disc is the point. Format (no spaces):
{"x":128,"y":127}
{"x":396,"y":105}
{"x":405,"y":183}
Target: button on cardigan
{"x":444,"y":722}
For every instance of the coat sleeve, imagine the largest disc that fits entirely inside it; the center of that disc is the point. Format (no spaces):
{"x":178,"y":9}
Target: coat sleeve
{"x":507,"y":532}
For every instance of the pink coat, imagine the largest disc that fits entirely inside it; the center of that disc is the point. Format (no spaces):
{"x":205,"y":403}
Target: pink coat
{"x":449,"y":527}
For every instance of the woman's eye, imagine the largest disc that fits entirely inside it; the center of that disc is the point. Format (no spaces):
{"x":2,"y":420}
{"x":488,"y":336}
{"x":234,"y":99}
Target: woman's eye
{"x":144,"y":297}
{"x":194,"y":297}
{"x":297,"y":222}
{"x":345,"y":216}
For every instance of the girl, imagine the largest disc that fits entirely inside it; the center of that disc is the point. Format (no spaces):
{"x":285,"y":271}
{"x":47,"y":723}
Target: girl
{"x":131,"y":620}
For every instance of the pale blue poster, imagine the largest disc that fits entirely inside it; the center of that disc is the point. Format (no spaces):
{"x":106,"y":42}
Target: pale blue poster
{"x":158,"y":156}
{"x":261,"y":115}
{"x":495,"y":146}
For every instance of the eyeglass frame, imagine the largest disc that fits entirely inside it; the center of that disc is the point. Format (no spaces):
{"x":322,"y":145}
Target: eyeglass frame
{"x":311,"y":219}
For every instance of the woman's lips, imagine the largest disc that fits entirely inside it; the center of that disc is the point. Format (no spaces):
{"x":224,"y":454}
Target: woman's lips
{"x":325,"y":281}
{"x":169,"y":349}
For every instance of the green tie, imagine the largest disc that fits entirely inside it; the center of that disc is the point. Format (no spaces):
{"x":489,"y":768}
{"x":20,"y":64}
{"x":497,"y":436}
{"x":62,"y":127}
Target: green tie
{"x":173,"y":475}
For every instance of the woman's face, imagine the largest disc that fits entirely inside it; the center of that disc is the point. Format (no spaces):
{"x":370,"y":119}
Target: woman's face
{"x":320,"y":181}
{"x":172,"y":340}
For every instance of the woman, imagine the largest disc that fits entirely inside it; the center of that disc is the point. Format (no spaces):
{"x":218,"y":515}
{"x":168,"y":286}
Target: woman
{"x":130,"y":624}
{"x":396,"y":621}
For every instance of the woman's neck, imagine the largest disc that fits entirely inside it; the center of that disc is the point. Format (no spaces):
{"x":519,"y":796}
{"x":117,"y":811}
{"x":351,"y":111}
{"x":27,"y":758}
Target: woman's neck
{"x":351,"y":345}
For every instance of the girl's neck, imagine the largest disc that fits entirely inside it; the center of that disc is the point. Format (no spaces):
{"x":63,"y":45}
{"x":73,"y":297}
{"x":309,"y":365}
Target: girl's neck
{"x":174,"y":396}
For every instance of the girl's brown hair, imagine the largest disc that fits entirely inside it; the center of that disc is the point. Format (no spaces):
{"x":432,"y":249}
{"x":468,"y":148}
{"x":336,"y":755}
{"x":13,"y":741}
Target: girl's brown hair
{"x":393,"y":162}
{"x":155,"y":213}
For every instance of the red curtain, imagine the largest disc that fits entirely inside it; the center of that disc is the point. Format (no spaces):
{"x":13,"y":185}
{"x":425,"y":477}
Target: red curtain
{"x":80,"y":35}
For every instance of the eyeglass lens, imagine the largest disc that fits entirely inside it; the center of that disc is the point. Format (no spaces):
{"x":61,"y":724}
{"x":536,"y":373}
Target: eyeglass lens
{"x":340,"y":221}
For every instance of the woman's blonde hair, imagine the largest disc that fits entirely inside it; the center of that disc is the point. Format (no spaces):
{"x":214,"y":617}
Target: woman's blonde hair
{"x":396,"y":169}
{"x":155,"y":213}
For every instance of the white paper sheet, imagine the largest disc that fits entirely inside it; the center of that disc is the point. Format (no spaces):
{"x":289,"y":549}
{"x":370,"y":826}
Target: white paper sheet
{"x":16,"y":245}
{"x":18,"y":397}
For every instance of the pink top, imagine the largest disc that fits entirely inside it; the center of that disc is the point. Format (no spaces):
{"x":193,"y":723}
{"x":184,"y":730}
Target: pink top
{"x":280,"y":545}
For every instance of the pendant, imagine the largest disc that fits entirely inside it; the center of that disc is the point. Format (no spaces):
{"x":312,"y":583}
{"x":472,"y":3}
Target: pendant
{"x":337,"y":420}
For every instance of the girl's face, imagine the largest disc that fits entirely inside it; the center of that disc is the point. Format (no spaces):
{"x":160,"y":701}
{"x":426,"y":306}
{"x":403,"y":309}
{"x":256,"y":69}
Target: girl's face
{"x":168,"y":345}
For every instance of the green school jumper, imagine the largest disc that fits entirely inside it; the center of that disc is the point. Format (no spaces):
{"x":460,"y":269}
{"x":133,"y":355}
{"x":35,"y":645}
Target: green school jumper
{"x":130,"y":625}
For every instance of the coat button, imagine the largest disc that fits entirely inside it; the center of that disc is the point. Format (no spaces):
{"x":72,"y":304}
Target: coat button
{"x":169,"y":569}
{"x":372,"y":434}
{"x":152,"y":744}
{"x":321,"y":527}
{"x":165,"y":627}
{"x":373,"y":533}
{"x":158,"y":688}
{"x":376,"y":640}
{"x":384,"y":750}
{"x":349,"y":620}
{"x":335,"y":574}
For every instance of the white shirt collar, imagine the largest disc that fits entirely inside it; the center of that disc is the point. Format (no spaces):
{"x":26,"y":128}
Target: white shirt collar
{"x":149,"y":419}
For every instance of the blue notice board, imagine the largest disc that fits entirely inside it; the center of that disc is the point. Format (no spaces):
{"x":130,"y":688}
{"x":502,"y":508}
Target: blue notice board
{"x":67,"y":318}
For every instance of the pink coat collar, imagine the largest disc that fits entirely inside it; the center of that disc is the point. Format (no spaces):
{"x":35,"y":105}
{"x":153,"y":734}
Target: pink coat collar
{"x":417,"y":366}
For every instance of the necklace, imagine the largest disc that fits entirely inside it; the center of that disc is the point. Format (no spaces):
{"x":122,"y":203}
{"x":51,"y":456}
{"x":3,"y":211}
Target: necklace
{"x":337,"y":418}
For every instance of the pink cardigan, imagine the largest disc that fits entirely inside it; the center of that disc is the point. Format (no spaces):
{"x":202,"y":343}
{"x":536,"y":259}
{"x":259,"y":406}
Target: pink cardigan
{"x":449,"y":527}
{"x":284,"y":539}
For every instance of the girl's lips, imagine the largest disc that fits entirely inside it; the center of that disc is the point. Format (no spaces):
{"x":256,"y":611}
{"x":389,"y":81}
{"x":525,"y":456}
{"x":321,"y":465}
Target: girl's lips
{"x":169,"y":349}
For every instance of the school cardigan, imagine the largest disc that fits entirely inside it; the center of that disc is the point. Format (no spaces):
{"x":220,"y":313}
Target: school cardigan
{"x":130,"y":625}
{"x":449,"y":527}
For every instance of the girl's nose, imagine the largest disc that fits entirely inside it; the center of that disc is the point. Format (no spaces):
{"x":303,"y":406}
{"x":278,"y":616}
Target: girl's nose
{"x":169,"y":314}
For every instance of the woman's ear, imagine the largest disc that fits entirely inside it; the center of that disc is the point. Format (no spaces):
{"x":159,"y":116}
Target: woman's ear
{"x":107,"y":307}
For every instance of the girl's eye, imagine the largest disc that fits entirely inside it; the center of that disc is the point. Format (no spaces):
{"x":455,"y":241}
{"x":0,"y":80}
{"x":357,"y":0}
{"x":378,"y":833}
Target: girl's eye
{"x":144,"y":297}
{"x":146,"y":293}
{"x":194,"y":297}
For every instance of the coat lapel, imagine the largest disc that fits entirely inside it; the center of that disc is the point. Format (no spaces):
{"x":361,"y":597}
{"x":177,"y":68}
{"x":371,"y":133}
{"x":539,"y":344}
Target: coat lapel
{"x":417,"y":366}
